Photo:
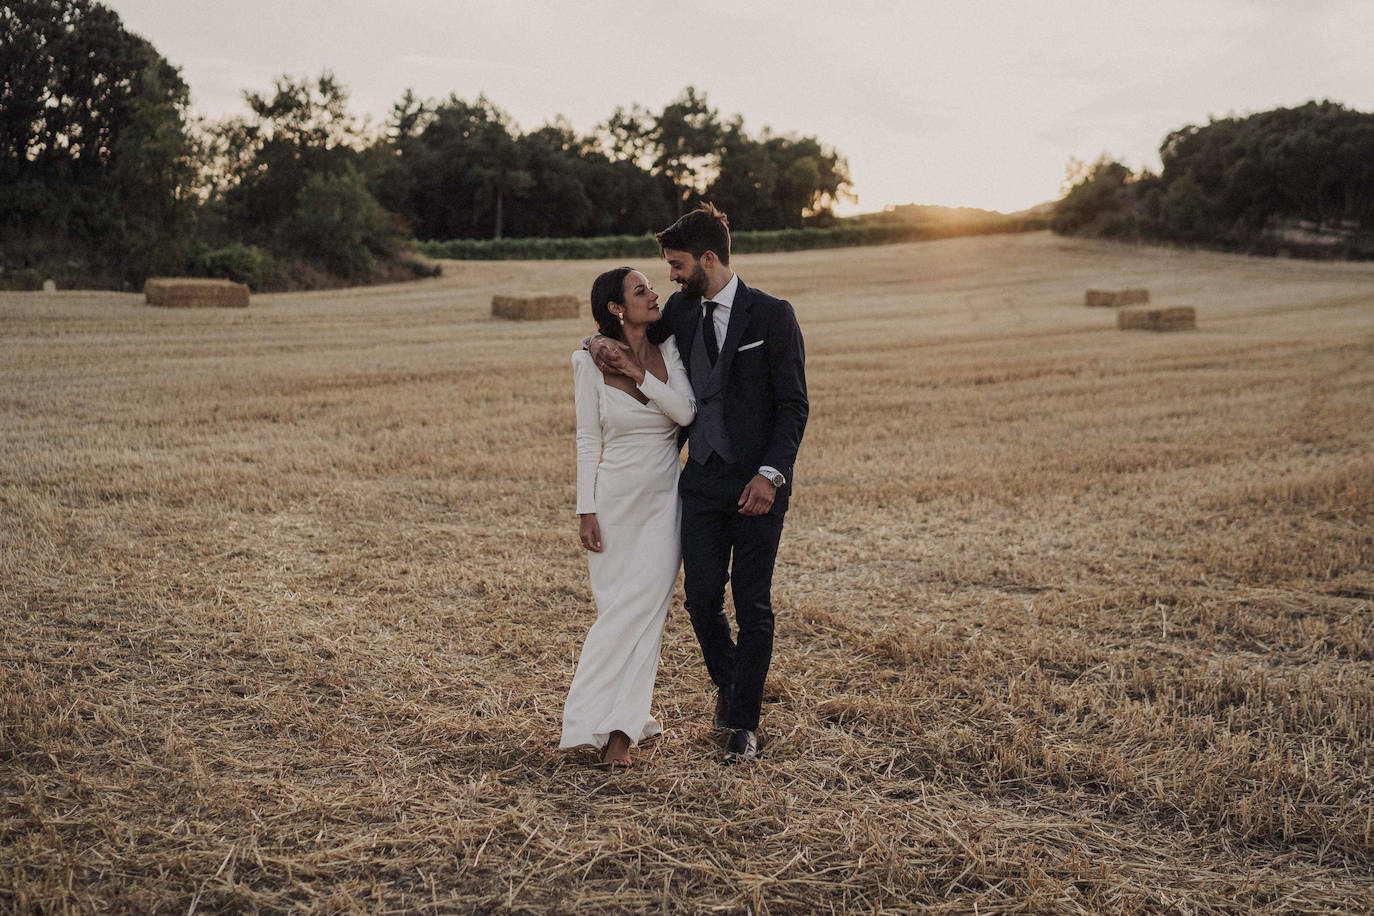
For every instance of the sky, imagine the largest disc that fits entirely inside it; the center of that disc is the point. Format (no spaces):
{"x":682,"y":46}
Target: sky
{"x":979,"y":103}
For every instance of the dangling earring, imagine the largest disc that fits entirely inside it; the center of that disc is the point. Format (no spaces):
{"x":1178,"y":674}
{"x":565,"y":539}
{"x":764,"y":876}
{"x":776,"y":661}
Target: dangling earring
{"x":621,"y":316}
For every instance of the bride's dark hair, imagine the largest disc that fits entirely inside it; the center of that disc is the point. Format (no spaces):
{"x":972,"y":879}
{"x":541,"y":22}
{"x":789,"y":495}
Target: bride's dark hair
{"x":608,"y":288}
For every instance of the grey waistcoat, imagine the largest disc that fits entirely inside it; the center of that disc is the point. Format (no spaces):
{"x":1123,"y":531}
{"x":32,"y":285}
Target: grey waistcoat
{"x":707,"y":433}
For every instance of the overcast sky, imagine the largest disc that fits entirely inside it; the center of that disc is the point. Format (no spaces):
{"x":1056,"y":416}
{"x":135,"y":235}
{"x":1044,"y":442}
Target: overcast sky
{"x":976,"y":103}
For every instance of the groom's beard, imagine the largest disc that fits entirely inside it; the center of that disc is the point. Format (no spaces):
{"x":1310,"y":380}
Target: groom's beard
{"x":695,"y":285}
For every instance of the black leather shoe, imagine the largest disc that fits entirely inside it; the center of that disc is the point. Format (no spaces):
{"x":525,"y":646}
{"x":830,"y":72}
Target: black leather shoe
{"x":743,"y":746}
{"x":721,"y":720}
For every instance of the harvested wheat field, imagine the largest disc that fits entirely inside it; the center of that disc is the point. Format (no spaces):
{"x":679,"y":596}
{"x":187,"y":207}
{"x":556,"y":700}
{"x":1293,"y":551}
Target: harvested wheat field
{"x":1069,"y":620}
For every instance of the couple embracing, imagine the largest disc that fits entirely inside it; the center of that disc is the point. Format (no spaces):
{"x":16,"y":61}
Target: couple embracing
{"x":722,"y":366}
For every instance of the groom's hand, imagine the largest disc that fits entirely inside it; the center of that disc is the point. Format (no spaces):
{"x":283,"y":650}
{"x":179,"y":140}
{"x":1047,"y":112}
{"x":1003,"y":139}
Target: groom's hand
{"x":757,"y":497}
{"x":609,"y":355}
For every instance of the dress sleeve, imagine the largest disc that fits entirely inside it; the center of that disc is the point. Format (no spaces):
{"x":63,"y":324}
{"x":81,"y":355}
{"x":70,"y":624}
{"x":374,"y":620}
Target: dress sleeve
{"x":675,"y":396}
{"x":587,"y":395}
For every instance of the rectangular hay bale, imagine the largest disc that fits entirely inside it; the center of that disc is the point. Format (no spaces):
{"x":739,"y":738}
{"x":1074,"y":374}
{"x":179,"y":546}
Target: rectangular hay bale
{"x":1107,"y":298}
{"x":1178,"y":318}
{"x":533,"y":308}
{"x":195,"y":292}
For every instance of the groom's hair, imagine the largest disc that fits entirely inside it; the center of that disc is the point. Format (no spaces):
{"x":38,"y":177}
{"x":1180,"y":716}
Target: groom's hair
{"x":704,"y":229}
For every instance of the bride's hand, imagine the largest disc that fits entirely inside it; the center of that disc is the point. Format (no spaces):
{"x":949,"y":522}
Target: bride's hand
{"x":590,"y":532}
{"x":609,"y":355}
{"x":621,"y":359}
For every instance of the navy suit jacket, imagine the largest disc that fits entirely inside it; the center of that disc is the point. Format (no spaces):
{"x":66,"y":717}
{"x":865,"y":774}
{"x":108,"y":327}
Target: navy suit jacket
{"x":765,"y":384}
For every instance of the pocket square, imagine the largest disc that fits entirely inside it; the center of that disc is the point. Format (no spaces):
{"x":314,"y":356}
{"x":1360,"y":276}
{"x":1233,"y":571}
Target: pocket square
{"x":750,"y":346}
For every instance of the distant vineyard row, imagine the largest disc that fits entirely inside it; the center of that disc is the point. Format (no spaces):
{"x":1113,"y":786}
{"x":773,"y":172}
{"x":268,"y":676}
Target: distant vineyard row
{"x":760,"y":242}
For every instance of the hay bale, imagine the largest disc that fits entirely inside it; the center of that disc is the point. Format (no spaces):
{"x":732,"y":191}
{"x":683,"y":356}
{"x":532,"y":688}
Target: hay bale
{"x":533,"y":308}
{"x":1108,"y":298}
{"x":1179,"y":318}
{"x":195,"y":292}
{"x":1133,"y":319}
{"x":49,"y":286}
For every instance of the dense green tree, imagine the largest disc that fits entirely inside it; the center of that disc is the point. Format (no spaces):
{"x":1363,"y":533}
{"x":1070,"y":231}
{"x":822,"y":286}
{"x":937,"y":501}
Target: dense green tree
{"x":685,"y":139}
{"x":578,"y":191}
{"x":1257,"y":183}
{"x":1313,"y":163}
{"x":293,"y":178}
{"x":463,"y":170}
{"x":98,"y":164}
{"x":338,"y":224}
{"x":777,"y":182}
{"x":391,"y":157}
{"x":301,"y":129}
{"x":1100,"y":201}
{"x":455,"y":167}
{"x":554,"y":201}
{"x":627,"y":136}
{"x":746,"y":181}
{"x":95,"y":162}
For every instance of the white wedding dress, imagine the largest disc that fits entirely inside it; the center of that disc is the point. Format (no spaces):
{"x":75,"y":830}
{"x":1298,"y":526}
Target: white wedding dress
{"x":627,"y":468}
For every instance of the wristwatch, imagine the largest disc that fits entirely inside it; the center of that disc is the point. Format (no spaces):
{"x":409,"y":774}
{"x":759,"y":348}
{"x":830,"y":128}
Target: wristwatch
{"x":776,"y":479}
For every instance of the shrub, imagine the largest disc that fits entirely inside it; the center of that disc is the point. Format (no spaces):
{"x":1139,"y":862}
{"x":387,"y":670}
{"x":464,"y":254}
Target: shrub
{"x":421,"y":268}
{"x":241,"y":263}
{"x":25,"y":278}
{"x":339,"y":225}
{"x":294,"y":274}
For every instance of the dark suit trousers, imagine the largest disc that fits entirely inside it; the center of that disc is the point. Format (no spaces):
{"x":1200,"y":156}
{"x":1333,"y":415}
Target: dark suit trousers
{"x":720,"y":545}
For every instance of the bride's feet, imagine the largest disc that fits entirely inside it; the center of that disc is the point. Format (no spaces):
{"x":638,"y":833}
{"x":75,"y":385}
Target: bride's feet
{"x":617,"y":755}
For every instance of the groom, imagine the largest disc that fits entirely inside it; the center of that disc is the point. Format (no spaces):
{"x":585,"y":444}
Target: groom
{"x":744,"y":356}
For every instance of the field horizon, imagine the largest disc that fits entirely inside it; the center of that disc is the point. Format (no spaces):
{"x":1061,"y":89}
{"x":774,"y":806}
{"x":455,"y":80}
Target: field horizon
{"x":1070,"y":619}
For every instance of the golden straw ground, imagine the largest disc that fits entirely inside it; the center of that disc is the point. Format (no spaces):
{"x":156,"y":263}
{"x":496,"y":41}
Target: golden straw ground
{"x":1070,"y":620}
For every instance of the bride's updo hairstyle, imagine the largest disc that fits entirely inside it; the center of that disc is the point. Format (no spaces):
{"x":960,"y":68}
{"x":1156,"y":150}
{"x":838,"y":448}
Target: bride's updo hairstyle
{"x":608,"y":288}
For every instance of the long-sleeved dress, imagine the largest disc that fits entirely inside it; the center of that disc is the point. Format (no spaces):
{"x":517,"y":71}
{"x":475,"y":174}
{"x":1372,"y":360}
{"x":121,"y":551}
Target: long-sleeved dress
{"x":627,"y":469}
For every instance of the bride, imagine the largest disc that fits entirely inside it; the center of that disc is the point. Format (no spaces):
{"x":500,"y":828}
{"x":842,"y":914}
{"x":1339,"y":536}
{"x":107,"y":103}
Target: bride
{"x":627,"y":467}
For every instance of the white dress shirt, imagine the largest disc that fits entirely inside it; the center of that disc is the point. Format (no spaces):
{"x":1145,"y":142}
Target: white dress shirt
{"x":724,"y":300}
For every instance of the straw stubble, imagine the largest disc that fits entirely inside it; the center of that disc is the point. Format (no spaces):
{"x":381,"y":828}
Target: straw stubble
{"x":1069,"y":620}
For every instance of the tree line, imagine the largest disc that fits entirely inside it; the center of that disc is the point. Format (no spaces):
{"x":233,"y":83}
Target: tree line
{"x":1294,"y":180}
{"x":106,"y":178}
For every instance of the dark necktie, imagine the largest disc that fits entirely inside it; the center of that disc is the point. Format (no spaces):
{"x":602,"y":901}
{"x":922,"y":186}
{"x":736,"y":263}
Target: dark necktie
{"x":708,"y":332}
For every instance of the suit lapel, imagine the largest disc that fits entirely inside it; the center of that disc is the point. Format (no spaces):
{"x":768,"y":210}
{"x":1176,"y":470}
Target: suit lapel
{"x":686,"y":333}
{"x":691,"y":308}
